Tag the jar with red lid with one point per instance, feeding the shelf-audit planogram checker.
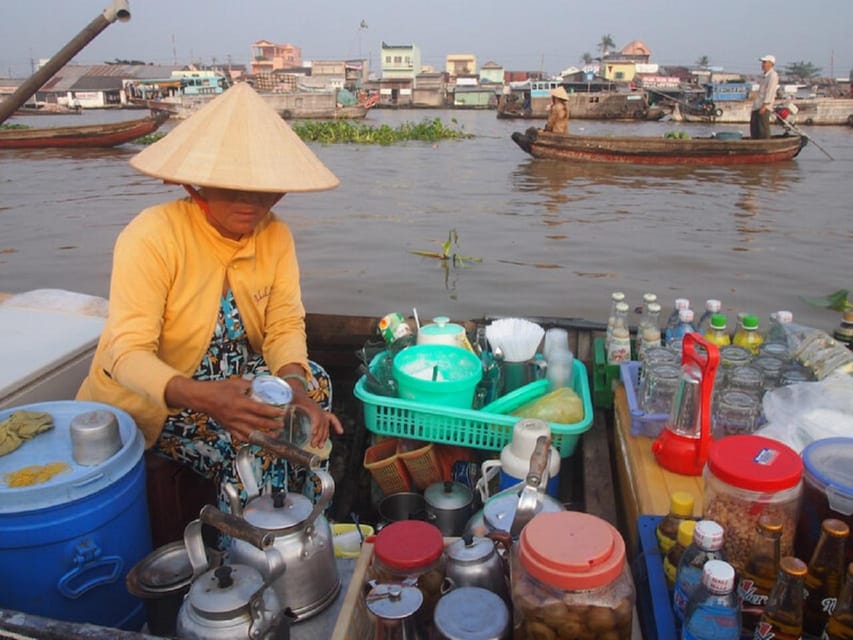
(411, 552)
(745, 477)
(570, 579)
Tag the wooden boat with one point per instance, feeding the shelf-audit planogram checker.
(47, 110)
(586, 483)
(93, 135)
(532, 101)
(648, 150)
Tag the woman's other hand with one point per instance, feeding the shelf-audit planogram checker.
(322, 422)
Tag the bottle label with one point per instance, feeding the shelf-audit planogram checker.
(669, 570)
(769, 631)
(665, 543)
(750, 594)
(687, 582)
(712, 621)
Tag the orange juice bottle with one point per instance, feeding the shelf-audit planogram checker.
(747, 335)
(717, 333)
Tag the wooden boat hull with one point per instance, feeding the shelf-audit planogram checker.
(94, 135)
(663, 151)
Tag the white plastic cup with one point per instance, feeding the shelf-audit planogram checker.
(559, 370)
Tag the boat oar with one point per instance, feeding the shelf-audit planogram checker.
(790, 126)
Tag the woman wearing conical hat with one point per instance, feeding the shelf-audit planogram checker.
(205, 294)
(558, 112)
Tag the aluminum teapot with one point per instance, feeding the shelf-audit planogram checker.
(512, 508)
(473, 561)
(229, 602)
(303, 538)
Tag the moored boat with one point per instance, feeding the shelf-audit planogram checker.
(92, 135)
(662, 150)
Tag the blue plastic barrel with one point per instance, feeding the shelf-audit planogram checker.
(67, 544)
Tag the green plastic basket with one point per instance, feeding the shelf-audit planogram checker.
(490, 430)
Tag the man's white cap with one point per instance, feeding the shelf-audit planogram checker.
(768, 58)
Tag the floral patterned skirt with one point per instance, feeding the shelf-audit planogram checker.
(199, 442)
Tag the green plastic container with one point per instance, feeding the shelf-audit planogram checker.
(437, 374)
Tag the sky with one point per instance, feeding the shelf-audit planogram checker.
(528, 35)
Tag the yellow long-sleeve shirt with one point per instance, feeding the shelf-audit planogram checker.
(169, 267)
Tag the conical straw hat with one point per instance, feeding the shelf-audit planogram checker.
(236, 142)
(560, 93)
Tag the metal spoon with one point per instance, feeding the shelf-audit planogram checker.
(354, 517)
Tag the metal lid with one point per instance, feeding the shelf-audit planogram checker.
(278, 510)
(394, 601)
(471, 613)
(470, 548)
(499, 511)
(448, 495)
(272, 390)
(225, 590)
(55, 446)
(165, 570)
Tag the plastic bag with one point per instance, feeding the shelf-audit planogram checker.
(562, 406)
(817, 350)
(799, 413)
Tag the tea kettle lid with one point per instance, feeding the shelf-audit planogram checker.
(394, 601)
(278, 510)
(470, 548)
(225, 591)
(448, 495)
(499, 510)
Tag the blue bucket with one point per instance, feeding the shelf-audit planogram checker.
(66, 545)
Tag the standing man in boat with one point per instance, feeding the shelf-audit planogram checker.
(762, 104)
(205, 295)
(558, 113)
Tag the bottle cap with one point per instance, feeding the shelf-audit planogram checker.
(682, 303)
(681, 504)
(718, 576)
(648, 298)
(718, 321)
(685, 532)
(784, 317)
(770, 523)
(836, 528)
(750, 321)
(713, 305)
(654, 307)
(622, 306)
(793, 566)
(617, 296)
(708, 535)
(685, 315)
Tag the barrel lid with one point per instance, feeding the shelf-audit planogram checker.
(829, 463)
(473, 613)
(571, 550)
(408, 544)
(54, 445)
(755, 463)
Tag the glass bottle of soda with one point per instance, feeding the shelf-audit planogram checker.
(713, 613)
(680, 509)
(673, 556)
(782, 618)
(840, 625)
(707, 545)
(825, 576)
(759, 574)
(615, 298)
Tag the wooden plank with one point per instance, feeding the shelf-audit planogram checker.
(645, 486)
(599, 494)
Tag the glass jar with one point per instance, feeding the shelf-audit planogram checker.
(771, 371)
(745, 477)
(734, 412)
(731, 356)
(570, 579)
(411, 551)
(746, 379)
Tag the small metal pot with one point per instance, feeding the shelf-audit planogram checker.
(449, 505)
(95, 437)
(402, 506)
(474, 561)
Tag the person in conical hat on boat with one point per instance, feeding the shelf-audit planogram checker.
(558, 112)
(205, 294)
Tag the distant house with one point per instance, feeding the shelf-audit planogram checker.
(491, 73)
(431, 90)
(400, 61)
(621, 66)
(268, 57)
(461, 64)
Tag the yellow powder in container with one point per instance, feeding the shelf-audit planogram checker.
(34, 474)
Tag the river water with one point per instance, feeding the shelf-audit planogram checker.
(551, 238)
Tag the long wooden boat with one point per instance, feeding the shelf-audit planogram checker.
(93, 135)
(662, 151)
(175, 495)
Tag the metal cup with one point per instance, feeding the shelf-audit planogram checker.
(95, 437)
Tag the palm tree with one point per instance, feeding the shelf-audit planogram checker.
(606, 44)
(587, 58)
(702, 61)
(802, 71)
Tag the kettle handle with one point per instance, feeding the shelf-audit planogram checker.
(194, 544)
(327, 490)
(236, 527)
(286, 450)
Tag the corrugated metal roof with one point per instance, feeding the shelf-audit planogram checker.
(97, 83)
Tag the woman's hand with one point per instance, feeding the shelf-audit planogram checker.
(228, 403)
(322, 422)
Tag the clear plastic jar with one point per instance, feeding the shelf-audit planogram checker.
(411, 549)
(746, 476)
(570, 579)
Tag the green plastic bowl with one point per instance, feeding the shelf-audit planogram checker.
(456, 372)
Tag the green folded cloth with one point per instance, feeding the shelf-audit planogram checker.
(20, 426)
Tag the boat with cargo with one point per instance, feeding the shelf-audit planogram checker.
(84, 136)
(717, 150)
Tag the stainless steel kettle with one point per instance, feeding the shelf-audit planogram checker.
(510, 509)
(228, 602)
(303, 538)
(473, 561)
